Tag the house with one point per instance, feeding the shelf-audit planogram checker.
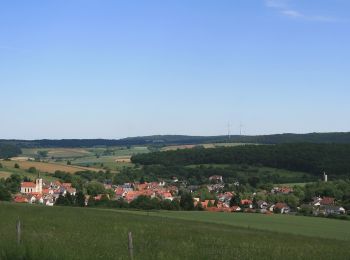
(49, 202)
(215, 187)
(206, 203)
(236, 208)
(327, 201)
(262, 204)
(247, 203)
(282, 190)
(131, 195)
(329, 210)
(215, 178)
(120, 192)
(166, 196)
(71, 191)
(282, 208)
(20, 199)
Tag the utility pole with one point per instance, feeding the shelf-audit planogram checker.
(229, 130)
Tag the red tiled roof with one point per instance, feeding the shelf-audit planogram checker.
(327, 201)
(246, 202)
(21, 200)
(28, 185)
(281, 205)
(46, 191)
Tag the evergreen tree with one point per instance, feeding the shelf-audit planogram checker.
(80, 199)
(186, 201)
(199, 206)
(5, 195)
(235, 200)
(61, 201)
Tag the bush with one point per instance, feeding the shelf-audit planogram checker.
(32, 170)
(5, 195)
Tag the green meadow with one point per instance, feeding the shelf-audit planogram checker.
(84, 233)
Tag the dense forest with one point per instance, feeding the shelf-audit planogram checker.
(8, 151)
(305, 157)
(162, 140)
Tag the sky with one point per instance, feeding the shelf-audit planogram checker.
(114, 69)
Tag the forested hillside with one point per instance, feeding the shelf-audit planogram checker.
(310, 158)
(8, 150)
(162, 140)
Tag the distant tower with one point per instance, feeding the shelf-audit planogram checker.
(240, 128)
(39, 184)
(229, 130)
(325, 177)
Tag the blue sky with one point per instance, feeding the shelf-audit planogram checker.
(111, 69)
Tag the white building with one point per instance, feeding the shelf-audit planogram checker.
(31, 187)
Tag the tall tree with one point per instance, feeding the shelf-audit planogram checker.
(186, 201)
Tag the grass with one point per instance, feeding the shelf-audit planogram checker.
(4, 174)
(7, 171)
(78, 233)
(101, 162)
(298, 225)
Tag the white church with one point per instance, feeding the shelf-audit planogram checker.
(32, 187)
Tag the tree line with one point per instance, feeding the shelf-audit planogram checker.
(305, 157)
(9, 150)
(343, 138)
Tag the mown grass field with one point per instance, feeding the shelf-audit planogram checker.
(79, 233)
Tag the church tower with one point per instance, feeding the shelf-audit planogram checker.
(39, 184)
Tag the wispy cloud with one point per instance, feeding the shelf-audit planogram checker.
(283, 8)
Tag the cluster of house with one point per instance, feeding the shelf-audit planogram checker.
(43, 193)
(222, 204)
(48, 193)
(325, 206)
(130, 191)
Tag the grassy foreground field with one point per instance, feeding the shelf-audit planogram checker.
(77, 233)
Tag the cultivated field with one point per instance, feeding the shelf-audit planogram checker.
(190, 146)
(78, 233)
(112, 158)
(57, 152)
(45, 167)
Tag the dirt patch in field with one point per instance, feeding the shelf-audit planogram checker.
(123, 159)
(176, 147)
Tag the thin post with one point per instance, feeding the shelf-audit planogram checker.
(18, 229)
(130, 246)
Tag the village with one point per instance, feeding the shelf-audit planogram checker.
(206, 197)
